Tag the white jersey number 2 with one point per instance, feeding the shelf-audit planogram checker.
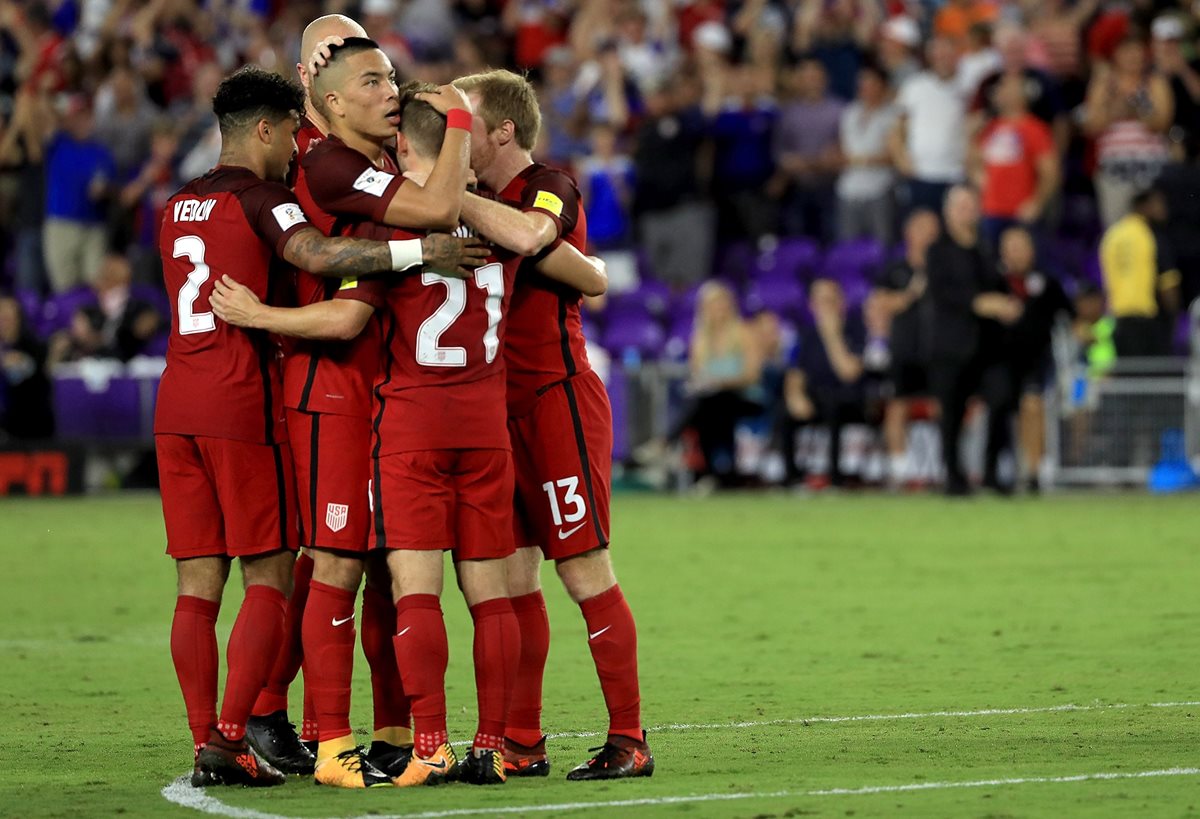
(490, 277)
(192, 247)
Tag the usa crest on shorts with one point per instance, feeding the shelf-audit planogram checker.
(335, 516)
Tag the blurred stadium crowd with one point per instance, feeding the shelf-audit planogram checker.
(762, 177)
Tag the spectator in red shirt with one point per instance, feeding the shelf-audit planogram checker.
(1014, 163)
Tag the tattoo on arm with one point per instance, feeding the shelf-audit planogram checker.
(339, 256)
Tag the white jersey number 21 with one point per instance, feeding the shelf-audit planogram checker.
(490, 277)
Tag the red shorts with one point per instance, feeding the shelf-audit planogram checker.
(333, 472)
(225, 498)
(456, 499)
(562, 457)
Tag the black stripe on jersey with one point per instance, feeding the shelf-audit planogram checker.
(585, 465)
(376, 488)
(265, 354)
(285, 514)
(564, 338)
(314, 445)
(314, 358)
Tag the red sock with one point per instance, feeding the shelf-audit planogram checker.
(251, 652)
(308, 727)
(329, 656)
(274, 696)
(392, 708)
(612, 637)
(194, 650)
(497, 651)
(422, 653)
(525, 710)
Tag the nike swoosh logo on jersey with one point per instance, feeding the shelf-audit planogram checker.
(564, 535)
(337, 622)
(598, 633)
(401, 634)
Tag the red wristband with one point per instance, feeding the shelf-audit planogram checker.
(458, 118)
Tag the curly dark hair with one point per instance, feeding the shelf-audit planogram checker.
(251, 94)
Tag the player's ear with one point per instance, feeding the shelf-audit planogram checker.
(401, 144)
(506, 132)
(302, 72)
(265, 130)
(333, 104)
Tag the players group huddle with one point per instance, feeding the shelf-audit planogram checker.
(434, 394)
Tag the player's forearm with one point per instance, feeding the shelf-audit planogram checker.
(341, 257)
(508, 227)
(448, 179)
(322, 321)
(586, 274)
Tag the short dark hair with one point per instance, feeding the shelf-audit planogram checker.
(251, 94)
(351, 46)
(422, 125)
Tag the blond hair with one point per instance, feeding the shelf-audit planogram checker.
(504, 95)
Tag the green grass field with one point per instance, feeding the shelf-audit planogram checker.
(755, 613)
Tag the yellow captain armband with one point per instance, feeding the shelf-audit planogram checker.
(349, 284)
(548, 201)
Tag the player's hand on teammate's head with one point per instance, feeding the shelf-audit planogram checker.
(322, 53)
(233, 302)
(452, 255)
(445, 98)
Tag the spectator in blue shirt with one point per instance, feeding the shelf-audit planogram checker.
(80, 172)
(606, 182)
(742, 115)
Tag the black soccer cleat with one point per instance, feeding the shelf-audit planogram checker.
(202, 778)
(526, 760)
(275, 740)
(391, 759)
(482, 768)
(619, 758)
(350, 769)
(234, 763)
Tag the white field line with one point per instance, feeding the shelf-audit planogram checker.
(181, 793)
(985, 712)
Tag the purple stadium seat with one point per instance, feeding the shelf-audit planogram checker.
(31, 306)
(57, 311)
(73, 405)
(1065, 257)
(618, 398)
(785, 296)
(644, 301)
(634, 332)
(860, 258)
(679, 337)
(157, 346)
(734, 261)
(856, 292)
(789, 258)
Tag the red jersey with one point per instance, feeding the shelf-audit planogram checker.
(545, 337)
(338, 188)
(1011, 149)
(223, 381)
(442, 383)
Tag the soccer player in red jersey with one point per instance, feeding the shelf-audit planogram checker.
(418, 420)
(224, 461)
(269, 731)
(561, 428)
(327, 393)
